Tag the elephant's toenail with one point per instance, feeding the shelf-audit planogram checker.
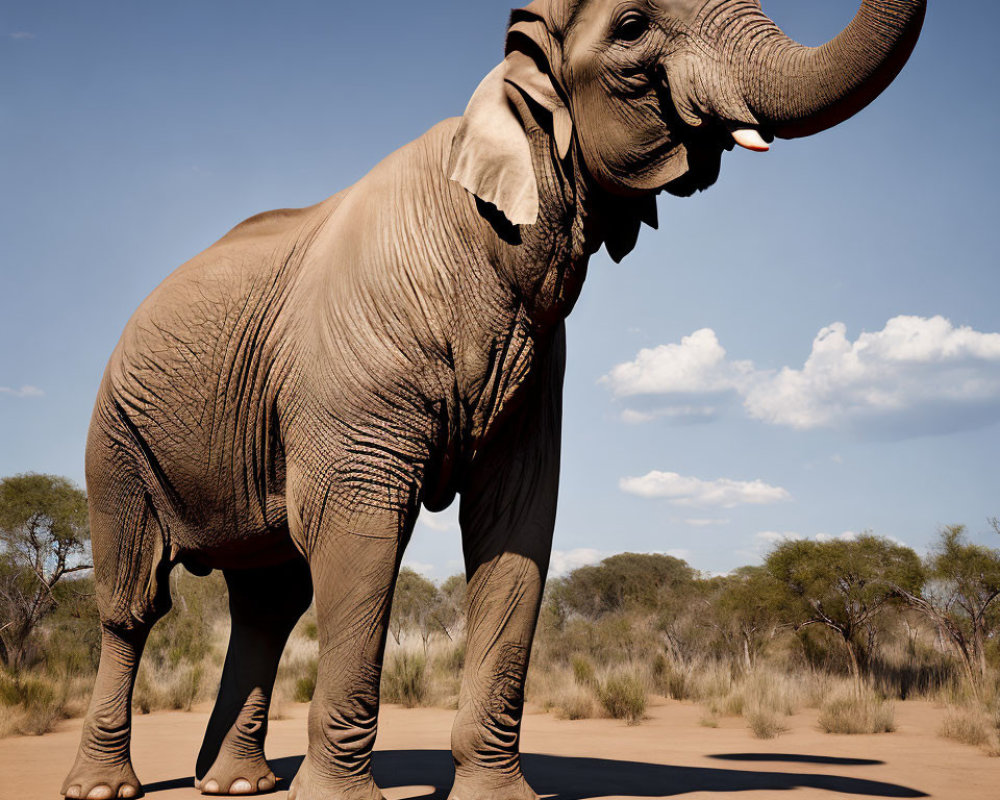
(73, 792)
(265, 784)
(211, 787)
(127, 791)
(101, 792)
(241, 786)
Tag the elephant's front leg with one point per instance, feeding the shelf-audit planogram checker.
(354, 552)
(507, 516)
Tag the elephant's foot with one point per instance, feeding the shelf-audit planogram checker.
(487, 786)
(239, 766)
(232, 775)
(306, 786)
(90, 780)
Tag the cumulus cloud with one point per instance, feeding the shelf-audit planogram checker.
(914, 368)
(446, 520)
(917, 375)
(690, 413)
(685, 491)
(697, 365)
(24, 391)
(562, 562)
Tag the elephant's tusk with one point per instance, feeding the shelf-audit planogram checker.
(751, 140)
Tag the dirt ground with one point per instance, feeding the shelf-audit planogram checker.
(669, 755)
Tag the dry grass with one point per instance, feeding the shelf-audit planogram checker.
(974, 724)
(622, 694)
(296, 678)
(31, 705)
(168, 686)
(404, 678)
(764, 724)
(856, 711)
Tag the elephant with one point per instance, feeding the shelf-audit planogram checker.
(282, 406)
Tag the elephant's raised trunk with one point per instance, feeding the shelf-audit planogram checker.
(795, 90)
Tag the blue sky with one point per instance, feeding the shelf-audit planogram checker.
(701, 418)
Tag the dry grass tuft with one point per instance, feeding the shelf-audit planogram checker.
(404, 678)
(858, 710)
(764, 724)
(974, 725)
(31, 705)
(623, 696)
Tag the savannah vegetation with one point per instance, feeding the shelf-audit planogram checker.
(846, 627)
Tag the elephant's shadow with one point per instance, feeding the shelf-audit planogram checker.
(571, 778)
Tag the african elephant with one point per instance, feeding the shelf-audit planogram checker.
(282, 405)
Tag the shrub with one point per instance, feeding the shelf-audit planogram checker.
(857, 711)
(306, 685)
(765, 724)
(583, 672)
(443, 676)
(968, 726)
(577, 702)
(623, 696)
(162, 686)
(669, 679)
(404, 680)
(30, 705)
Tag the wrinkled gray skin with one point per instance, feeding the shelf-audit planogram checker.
(283, 404)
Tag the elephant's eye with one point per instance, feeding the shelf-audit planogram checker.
(631, 27)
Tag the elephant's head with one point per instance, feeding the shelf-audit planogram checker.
(652, 91)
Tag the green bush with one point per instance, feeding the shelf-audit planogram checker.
(623, 696)
(30, 704)
(305, 686)
(583, 672)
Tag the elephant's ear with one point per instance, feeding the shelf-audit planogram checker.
(533, 57)
(490, 153)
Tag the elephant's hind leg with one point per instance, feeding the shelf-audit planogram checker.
(264, 605)
(130, 571)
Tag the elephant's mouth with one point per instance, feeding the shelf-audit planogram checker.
(700, 135)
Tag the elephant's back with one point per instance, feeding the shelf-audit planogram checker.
(191, 386)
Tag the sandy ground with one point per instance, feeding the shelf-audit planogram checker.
(669, 755)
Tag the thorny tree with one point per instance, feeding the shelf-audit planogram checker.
(843, 585)
(961, 597)
(43, 537)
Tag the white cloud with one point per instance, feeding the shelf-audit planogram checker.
(705, 523)
(917, 375)
(691, 413)
(846, 536)
(24, 391)
(442, 521)
(914, 368)
(767, 540)
(684, 491)
(695, 366)
(21, 35)
(563, 562)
